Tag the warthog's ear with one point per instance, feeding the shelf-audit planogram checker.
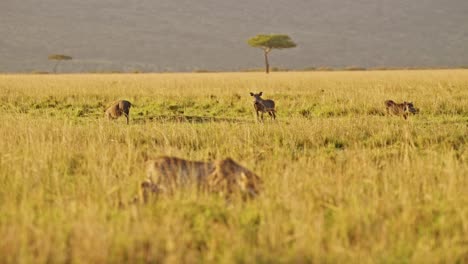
(260, 94)
(251, 94)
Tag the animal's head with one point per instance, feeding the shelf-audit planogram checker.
(409, 107)
(250, 184)
(231, 177)
(257, 97)
(149, 189)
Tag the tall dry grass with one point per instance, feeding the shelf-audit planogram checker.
(343, 182)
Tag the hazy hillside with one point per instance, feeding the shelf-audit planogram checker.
(185, 35)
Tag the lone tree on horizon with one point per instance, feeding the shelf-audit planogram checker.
(58, 58)
(270, 42)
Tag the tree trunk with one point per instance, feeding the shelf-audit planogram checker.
(55, 66)
(267, 65)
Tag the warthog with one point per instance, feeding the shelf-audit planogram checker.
(117, 109)
(263, 106)
(403, 109)
(166, 174)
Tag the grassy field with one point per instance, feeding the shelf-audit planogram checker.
(343, 183)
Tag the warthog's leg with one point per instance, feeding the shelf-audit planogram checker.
(127, 115)
(258, 117)
(272, 114)
(145, 188)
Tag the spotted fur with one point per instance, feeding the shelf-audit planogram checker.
(227, 177)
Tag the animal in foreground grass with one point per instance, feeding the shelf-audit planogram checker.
(117, 109)
(262, 105)
(227, 177)
(403, 109)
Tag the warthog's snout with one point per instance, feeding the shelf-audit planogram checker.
(411, 109)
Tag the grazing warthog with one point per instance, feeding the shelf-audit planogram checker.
(263, 106)
(166, 174)
(117, 109)
(403, 109)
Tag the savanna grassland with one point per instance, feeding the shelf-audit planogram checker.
(343, 183)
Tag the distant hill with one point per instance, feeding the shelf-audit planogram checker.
(187, 35)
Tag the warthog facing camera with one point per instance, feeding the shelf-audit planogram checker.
(262, 105)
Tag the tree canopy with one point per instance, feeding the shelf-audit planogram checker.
(269, 42)
(59, 57)
(272, 41)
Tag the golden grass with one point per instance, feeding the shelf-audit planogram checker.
(343, 182)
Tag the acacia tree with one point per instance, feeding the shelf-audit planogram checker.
(270, 42)
(58, 58)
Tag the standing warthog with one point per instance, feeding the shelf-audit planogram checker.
(117, 109)
(166, 174)
(263, 106)
(403, 109)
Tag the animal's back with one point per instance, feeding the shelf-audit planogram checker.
(269, 104)
(177, 171)
(389, 103)
(265, 106)
(112, 109)
(117, 107)
(393, 107)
